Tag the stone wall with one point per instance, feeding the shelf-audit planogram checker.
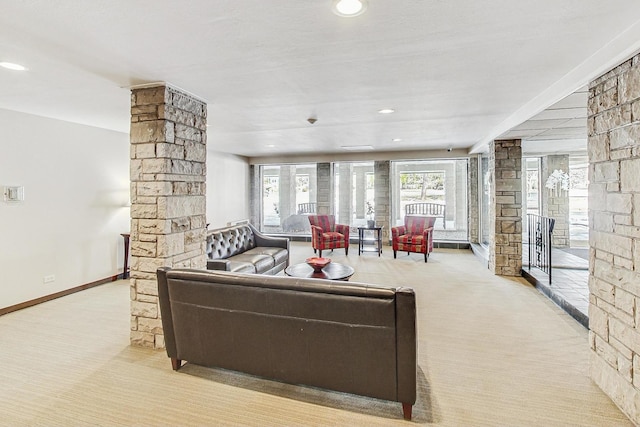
(325, 188)
(255, 200)
(614, 235)
(168, 212)
(555, 203)
(505, 249)
(382, 197)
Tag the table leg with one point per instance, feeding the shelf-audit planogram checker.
(125, 273)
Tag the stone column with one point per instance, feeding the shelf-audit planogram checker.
(361, 192)
(505, 248)
(325, 188)
(614, 234)
(344, 195)
(255, 194)
(472, 200)
(168, 212)
(382, 197)
(555, 203)
(287, 203)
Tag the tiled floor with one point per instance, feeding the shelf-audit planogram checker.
(569, 286)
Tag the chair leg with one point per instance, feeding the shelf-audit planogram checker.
(426, 256)
(394, 254)
(346, 250)
(320, 253)
(314, 251)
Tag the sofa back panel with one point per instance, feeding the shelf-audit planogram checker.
(352, 358)
(227, 242)
(286, 302)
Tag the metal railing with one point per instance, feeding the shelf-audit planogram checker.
(540, 229)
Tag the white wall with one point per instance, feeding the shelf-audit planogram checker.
(76, 181)
(227, 189)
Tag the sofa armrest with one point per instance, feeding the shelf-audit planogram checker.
(344, 230)
(316, 233)
(264, 240)
(406, 345)
(219, 264)
(165, 309)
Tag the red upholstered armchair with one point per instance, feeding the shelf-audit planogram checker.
(326, 234)
(415, 236)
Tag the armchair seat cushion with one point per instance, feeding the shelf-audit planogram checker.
(412, 240)
(333, 240)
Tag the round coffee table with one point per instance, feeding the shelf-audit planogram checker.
(333, 271)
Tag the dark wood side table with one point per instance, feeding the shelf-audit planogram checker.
(370, 244)
(333, 271)
(125, 273)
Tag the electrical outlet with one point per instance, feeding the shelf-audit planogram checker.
(49, 279)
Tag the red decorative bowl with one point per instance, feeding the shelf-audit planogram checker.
(318, 263)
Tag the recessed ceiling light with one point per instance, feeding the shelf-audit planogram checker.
(270, 146)
(12, 66)
(349, 8)
(396, 139)
(357, 147)
(386, 111)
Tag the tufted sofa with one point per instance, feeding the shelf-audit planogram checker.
(243, 249)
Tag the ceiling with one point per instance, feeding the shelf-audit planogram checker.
(458, 74)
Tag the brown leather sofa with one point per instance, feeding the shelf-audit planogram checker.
(347, 337)
(242, 248)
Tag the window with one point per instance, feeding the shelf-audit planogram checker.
(288, 196)
(354, 192)
(485, 197)
(435, 182)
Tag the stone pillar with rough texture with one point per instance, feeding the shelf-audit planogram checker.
(287, 198)
(325, 188)
(361, 192)
(555, 202)
(345, 197)
(168, 216)
(255, 196)
(505, 249)
(382, 197)
(472, 200)
(614, 234)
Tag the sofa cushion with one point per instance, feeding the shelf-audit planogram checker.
(241, 267)
(261, 262)
(279, 255)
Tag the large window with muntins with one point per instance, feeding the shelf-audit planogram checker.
(435, 188)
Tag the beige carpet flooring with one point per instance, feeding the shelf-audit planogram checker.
(492, 352)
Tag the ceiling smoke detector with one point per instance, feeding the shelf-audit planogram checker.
(312, 120)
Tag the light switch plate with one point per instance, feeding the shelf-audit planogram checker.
(13, 194)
